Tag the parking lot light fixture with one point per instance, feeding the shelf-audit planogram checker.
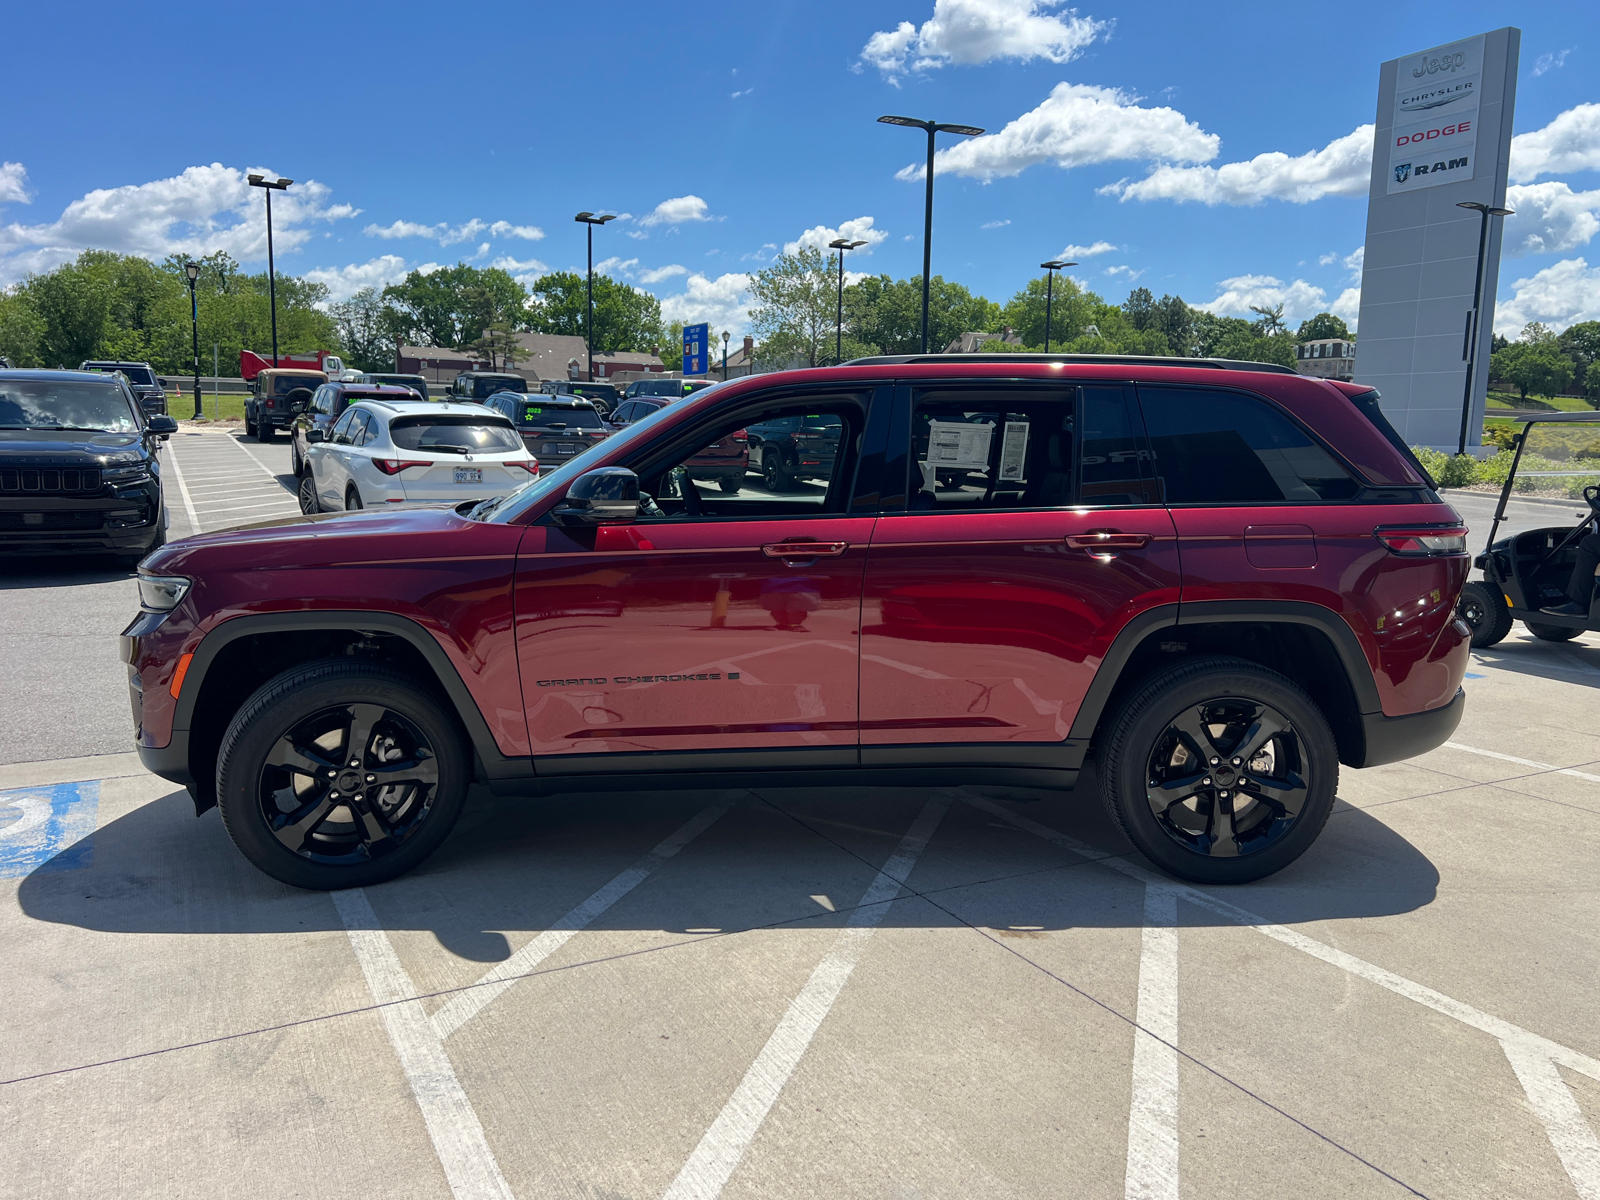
(192, 270)
(591, 220)
(1470, 351)
(932, 128)
(1052, 266)
(725, 336)
(270, 186)
(841, 245)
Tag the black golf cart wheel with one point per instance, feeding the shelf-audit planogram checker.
(1552, 633)
(339, 774)
(1219, 770)
(352, 499)
(730, 485)
(1483, 607)
(773, 473)
(309, 504)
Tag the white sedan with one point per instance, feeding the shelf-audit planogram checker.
(383, 452)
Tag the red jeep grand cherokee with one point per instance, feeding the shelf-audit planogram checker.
(1220, 579)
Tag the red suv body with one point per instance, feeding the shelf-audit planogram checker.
(1219, 579)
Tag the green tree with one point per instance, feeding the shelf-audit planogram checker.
(625, 317)
(454, 305)
(1176, 321)
(21, 329)
(1139, 308)
(1271, 321)
(884, 316)
(1537, 333)
(795, 309)
(1071, 310)
(1533, 367)
(364, 333)
(1581, 343)
(1322, 326)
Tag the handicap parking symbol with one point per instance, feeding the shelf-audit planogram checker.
(48, 828)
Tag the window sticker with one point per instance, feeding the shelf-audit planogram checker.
(1014, 452)
(958, 445)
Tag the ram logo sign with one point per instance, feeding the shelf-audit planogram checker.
(1436, 103)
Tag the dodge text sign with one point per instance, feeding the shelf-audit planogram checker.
(1435, 134)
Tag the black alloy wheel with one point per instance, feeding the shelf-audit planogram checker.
(1220, 770)
(339, 774)
(773, 473)
(309, 504)
(1483, 607)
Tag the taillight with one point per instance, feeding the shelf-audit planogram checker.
(741, 437)
(393, 466)
(531, 466)
(1422, 540)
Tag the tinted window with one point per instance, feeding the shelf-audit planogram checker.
(488, 387)
(532, 413)
(282, 385)
(1215, 447)
(1114, 462)
(992, 448)
(468, 435)
(364, 429)
(341, 429)
(62, 404)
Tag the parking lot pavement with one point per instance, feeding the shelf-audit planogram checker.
(787, 992)
(220, 478)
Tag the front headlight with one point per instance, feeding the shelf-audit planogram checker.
(162, 593)
(124, 475)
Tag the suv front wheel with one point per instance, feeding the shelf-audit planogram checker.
(340, 773)
(1219, 770)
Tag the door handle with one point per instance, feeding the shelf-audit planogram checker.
(1102, 540)
(799, 549)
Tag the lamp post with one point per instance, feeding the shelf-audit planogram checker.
(271, 185)
(192, 270)
(932, 127)
(1470, 350)
(589, 219)
(724, 356)
(1050, 294)
(841, 245)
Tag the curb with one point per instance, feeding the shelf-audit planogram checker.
(1546, 501)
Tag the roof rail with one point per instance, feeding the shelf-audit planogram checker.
(1140, 360)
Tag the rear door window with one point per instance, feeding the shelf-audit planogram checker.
(1216, 447)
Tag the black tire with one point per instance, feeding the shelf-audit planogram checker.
(1483, 607)
(352, 499)
(249, 425)
(297, 465)
(773, 472)
(309, 504)
(1552, 633)
(264, 431)
(730, 486)
(289, 722)
(1164, 798)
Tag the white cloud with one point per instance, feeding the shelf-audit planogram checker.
(14, 184)
(979, 31)
(1299, 299)
(657, 274)
(1126, 272)
(526, 272)
(1551, 62)
(1341, 168)
(1077, 124)
(723, 301)
(450, 235)
(1550, 218)
(1347, 306)
(677, 212)
(1560, 295)
(995, 224)
(1077, 251)
(344, 282)
(736, 95)
(857, 229)
(201, 211)
(529, 233)
(615, 265)
(1571, 142)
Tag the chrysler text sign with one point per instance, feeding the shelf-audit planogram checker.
(1435, 136)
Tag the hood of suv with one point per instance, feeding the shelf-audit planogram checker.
(29, 443)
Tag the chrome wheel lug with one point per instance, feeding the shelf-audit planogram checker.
(1215, 761)
(1237, 761)
(372, 779)
(1206, 780)
(332, 773)
(355, 762)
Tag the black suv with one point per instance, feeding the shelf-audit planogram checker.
(666, 387)
(480, 385)
(416, 383)
(142, 379)
(327, 405)
(602, 395)
(555, 429)
(79, 466)
(790, 449)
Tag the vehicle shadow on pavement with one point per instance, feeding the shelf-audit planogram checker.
(1559, 662)
(64, 571)
(779, 858)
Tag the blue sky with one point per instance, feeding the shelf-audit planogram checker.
(428, 134)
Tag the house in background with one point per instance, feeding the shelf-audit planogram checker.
(1326, 358)
(437, 364)
(972, 343)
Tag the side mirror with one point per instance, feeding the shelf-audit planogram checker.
(604, 496)
(162, 425)
(316, 435)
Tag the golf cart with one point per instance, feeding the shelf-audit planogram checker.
(1529, 571)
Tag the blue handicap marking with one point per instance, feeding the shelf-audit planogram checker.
(1470, 675)
(48, 828)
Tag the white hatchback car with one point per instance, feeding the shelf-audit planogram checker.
(383, 452)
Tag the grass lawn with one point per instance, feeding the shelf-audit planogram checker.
(220, 407)
(1510, 400)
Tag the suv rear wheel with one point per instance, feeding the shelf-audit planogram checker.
(1219, 770)
(1483, 607)
(339, 774)
(773, 473)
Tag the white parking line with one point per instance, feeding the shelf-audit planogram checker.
(1152, 1171)
(724, 1144)
(1555, 1112)
(183, 490)
(1524, 762)
(453, 1127)
(468, 1004)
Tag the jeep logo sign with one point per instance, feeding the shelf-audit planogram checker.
(1436, 106)
(1432, 66)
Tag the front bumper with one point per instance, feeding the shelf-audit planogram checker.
(1392, 739)
(44, 524)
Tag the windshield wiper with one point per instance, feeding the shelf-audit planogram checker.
(451, 449)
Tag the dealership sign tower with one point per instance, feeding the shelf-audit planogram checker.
(1443, 137)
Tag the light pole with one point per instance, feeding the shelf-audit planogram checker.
(589, 219)
(192, 270)
(1050, 295)
(1470, 350)
(932, 128)
(271, 185)
(724, 356)
(841, 245)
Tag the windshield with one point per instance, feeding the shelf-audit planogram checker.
(513, 505)
(282, 385)
(467, 434)
(573, 417)
(139, 375)
(488, 387)
(415, 382)
(1559, 459)
(64, 404)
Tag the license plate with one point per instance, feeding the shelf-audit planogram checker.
(469, 474)
(565, 448)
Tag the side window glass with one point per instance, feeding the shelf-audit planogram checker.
(1216, 447)
(992, 448)
(1114, 460)
(341, 430)
(369, 430)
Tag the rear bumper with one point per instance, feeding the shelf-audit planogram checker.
(1392, 739)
